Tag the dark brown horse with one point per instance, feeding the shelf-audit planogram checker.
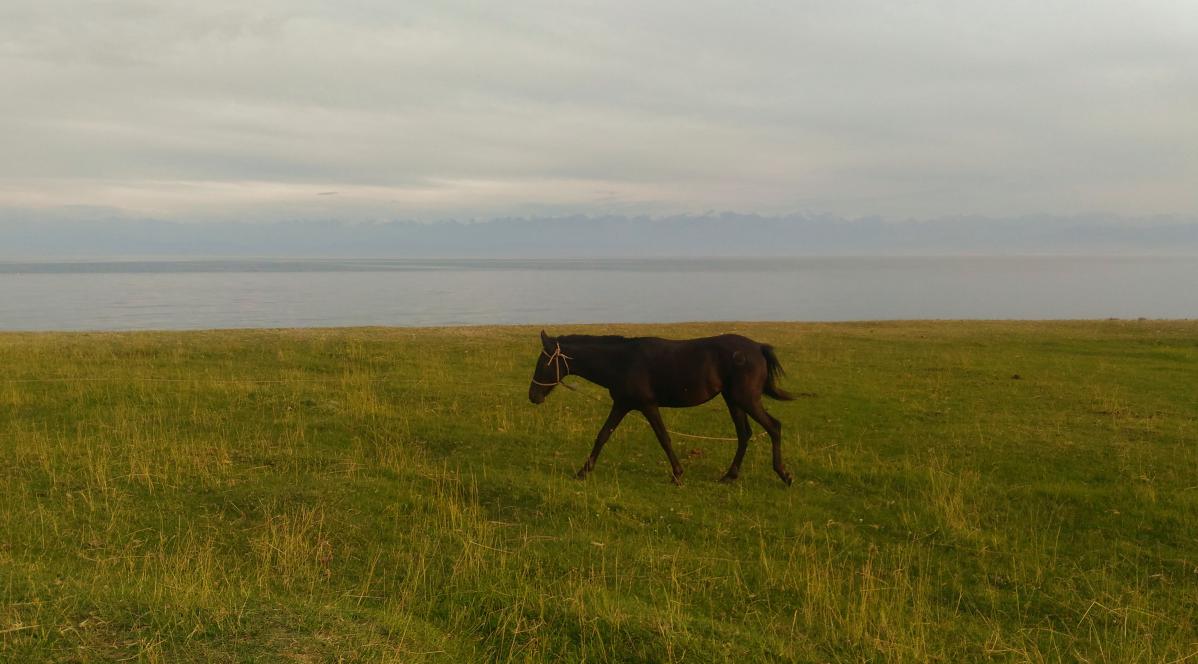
(645, 373)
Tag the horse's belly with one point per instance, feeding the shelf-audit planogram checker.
(684, 386)
(686, 398)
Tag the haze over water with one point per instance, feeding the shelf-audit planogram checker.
(116, 295)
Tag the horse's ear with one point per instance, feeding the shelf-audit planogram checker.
(546, 341)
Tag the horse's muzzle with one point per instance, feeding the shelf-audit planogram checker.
(535, 394)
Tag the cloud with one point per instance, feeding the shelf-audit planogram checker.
(435, 110)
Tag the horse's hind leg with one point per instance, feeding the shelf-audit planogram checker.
(613, 420)
(774, 428)
(741, 421)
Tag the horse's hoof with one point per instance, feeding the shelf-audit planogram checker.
(580, 475)
(728, 478)
(787, 478)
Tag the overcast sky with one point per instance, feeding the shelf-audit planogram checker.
(381, 110)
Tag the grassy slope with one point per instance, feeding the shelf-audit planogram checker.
(394, 496)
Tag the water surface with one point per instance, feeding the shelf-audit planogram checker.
(202, 294)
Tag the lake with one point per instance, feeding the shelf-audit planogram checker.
(235, 293)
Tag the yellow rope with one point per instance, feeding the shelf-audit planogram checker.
(556, 360)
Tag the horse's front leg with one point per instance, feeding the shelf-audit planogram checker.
(613, 420)
(663, 437)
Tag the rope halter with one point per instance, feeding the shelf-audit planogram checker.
(556, 360)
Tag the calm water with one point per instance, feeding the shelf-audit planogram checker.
(297, 293)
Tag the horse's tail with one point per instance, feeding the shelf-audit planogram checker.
(774, 371)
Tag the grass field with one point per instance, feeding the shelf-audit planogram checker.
(963, 491)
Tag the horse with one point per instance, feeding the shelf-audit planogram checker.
(648, 373)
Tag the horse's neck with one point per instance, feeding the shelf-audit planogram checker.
(601, 364)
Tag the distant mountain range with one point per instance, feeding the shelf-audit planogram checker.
(24, 236)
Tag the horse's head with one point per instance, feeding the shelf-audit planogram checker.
(552, 366)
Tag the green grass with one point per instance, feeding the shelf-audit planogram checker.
(963, 491)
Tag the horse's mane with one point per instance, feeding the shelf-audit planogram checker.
(595, 339)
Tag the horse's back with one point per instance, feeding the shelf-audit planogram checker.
(721, 341)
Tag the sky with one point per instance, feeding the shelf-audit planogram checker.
(362, 111)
